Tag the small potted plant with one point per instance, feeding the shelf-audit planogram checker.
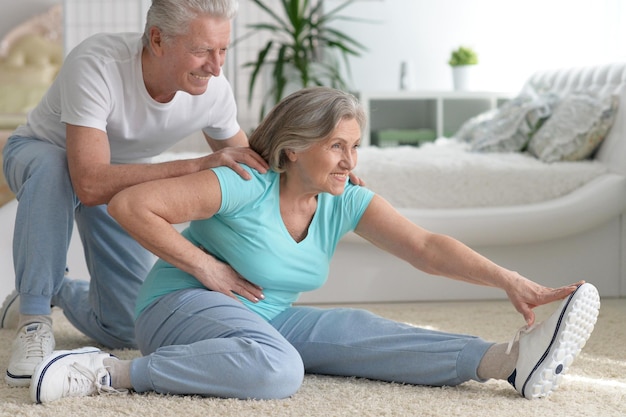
(462, 61)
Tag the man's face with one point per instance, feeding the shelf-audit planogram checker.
(193, 58)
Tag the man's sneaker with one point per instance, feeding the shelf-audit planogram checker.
(33, 342)
(72, 373)
(547, 350)
(10, 311)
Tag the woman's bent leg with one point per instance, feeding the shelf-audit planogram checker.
(203, 342)
(353, 342)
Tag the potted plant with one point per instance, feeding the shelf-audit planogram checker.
(303, 49)
(462, 61)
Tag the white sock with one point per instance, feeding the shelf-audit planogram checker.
(496, 363)
(120, 372)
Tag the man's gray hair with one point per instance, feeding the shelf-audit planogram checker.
(172, 17)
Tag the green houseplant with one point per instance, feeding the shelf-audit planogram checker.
(463, 56)
(303, 48)
(462, 60)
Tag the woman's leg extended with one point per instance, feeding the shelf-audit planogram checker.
(354, 342)
(203, 342)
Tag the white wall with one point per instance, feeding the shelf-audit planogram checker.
(512, 38)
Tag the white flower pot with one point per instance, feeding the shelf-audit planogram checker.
(462, 77)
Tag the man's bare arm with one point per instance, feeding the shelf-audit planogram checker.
(96, 180)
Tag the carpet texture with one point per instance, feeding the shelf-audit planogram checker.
(595, 385)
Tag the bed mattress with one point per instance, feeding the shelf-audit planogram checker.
(444, 174)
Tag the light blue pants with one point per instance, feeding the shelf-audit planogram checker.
(202, 342)
(102, 308)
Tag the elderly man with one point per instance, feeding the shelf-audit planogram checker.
(118, 100)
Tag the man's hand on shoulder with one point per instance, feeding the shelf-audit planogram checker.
(231, 152)
(232, 156)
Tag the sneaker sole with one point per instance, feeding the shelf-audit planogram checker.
(574, 327)
(17, 381)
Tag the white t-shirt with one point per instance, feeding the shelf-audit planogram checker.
(101, 86)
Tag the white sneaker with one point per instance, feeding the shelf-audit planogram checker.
(547, 350)
(10, 311)
(72, 373)
(33, 342)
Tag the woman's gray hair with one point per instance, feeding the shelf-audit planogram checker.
(172, 17)
(302, 119)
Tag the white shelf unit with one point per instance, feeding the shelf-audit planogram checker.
(441, 111)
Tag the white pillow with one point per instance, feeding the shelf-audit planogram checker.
(510, 127)
(576, 128)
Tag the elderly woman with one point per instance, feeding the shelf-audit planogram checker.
(215, 316)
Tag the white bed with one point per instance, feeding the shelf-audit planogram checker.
(445, 175)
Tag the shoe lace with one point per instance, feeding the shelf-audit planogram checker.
(516, 336)
(84, 381)
(36, 343)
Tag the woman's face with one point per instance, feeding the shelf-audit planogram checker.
(325, 166)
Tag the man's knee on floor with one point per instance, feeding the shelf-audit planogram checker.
(120, 336)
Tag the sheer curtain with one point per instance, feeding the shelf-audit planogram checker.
(83, 18)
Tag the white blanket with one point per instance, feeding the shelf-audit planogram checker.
(444, 174)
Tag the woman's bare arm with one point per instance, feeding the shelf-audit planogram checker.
(442, 255)
(148, 211)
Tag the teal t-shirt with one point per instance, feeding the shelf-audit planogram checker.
(248, 233)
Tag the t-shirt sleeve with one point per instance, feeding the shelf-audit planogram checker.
(85, 95)
(238, 193)
(223, 117)
(355, 200)
(340, 214)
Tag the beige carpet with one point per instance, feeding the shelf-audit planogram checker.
(595, 385)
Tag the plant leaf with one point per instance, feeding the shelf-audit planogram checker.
(302, 41)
